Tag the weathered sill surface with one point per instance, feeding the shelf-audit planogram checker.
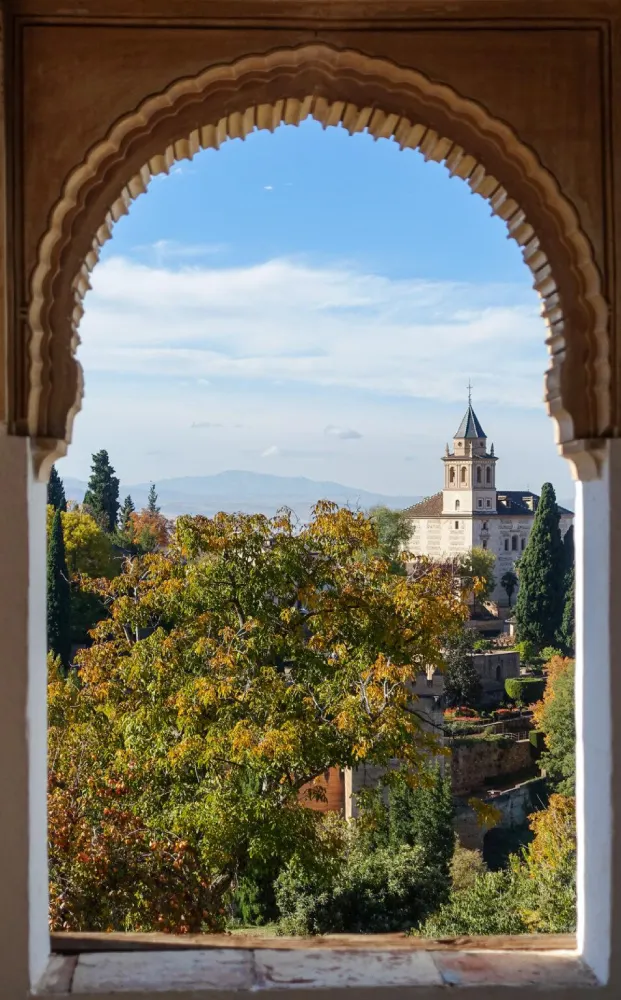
(330, 966)
(74, 943)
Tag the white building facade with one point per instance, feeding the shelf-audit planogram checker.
(470, 510)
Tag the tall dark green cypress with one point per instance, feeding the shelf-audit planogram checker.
(152, 506)
(102, 496)
(127, 509)
(566, 635)
(56, 491)
(58, 595)
(539, 605)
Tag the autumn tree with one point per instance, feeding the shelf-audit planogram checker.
(476, 569)
(148, 532)
(56, 491)
(234, 669)
(152, 506)
(555, 716)
(539, 605)
(102, 495)
(58, 594)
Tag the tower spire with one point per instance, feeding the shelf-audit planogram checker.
(469, 393)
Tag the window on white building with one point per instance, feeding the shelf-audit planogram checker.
(523, 544)
(457, 505)
(488, 475)
(463, 473)
(488, 503)
(506, 544)
(484, 543)
(478, 473)
(456, 525)
(479, 502)
(514, 542)
(451, 475)
(484, 525)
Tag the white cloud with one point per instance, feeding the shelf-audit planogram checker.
(272, 452)
(289, 322)
(344, 433)
(268, 187)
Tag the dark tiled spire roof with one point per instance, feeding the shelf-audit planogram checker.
(470, 426)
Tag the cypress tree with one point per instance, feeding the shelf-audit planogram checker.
(127, 509)
(56, 491)
(102, 496)
(152, 506)
(566, 634)
(58, 594)
(539, 605)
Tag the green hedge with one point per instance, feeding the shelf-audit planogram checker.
(525, 690)
(538, 740)
(500, 739)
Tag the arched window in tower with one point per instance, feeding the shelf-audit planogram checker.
(457, 505)
(478, 473)
(488, 475)
(463, 473)
(451, 475)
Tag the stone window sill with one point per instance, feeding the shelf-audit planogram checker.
(327, 964)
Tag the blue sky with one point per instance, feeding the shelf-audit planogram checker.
(310, 303)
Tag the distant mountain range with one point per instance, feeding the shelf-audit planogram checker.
(245, 492)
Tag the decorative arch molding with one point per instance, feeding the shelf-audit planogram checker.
(335, 87)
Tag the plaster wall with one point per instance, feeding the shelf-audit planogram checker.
(454, 534)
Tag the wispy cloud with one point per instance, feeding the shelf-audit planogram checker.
(199, 424)
(328, 328)
(344, 433)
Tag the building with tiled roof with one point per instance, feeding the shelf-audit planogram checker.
(471, 511)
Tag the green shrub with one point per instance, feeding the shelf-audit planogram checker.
(527, 650)
(538, 740)
(525, 690)
(548, 652)
(385, 890)
(466, 867)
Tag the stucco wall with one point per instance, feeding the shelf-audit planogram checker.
(473, 763)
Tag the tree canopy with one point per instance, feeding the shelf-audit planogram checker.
(234, 669)
(102, 495)
(539, 605)
(555, 716)
(88, 548)
(393, 534)
(537, 894)
(476, 569)
(58, 594)
(462, 684)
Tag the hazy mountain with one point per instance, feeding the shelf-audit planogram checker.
(248, 492)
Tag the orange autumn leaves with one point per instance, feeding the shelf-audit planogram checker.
(235, 667)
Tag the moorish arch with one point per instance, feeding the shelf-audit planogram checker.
(335, 87)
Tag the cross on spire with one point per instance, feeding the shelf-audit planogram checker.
(469, 393)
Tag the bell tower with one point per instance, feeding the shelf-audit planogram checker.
(469, 469)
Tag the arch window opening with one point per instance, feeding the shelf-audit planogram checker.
(263, 377)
